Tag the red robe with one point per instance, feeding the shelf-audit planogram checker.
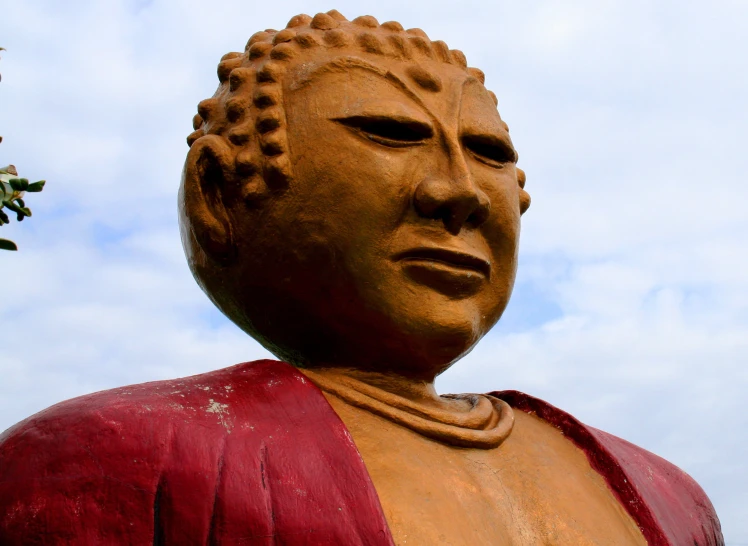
(254, 454)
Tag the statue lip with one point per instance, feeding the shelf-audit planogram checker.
(453, 258)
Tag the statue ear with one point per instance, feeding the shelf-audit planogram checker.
(203, 197)
(524, 197)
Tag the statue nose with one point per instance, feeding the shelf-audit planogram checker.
(457, 202)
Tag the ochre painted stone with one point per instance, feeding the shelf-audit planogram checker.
(350, 199)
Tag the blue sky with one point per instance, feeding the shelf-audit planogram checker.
(631, 307)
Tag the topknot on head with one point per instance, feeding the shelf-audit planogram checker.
(459, 57)
(205, 108)
(269, 73)
(300, 20)
(370, 43)
(400, 46)
(478, 74)
(259, 50)
(393, 25)
(267, 53)
(335, 14)
(323, 21)
(333, 30)
(240, 77)
(423, 45)
(306, 39)
(366, 21)
(283, 52)
(442, 51)
(229, 62)
(285, 35)
(197, 121)
(418, 32)
(336, 38)
(258, 37)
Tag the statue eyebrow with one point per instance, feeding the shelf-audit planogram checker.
(341, 64)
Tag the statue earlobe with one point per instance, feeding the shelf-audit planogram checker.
(203, 214)
(524, 197)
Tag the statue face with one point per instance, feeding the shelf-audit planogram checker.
(394, 248)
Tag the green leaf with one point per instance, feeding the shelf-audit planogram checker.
(19, 184)
(10, 205)
(5, 244)
(36, 186)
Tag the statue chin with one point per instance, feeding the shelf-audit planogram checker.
(417, 344)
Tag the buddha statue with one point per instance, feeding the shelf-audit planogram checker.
(351, 200)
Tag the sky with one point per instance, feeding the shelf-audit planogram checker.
(631, 304)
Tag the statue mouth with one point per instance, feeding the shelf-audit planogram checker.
(451, 258)
(452, 273)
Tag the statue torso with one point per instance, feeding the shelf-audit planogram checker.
(256, 451)
(536, 487)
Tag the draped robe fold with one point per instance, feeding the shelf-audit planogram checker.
(254, 454)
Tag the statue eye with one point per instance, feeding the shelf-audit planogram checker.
(490, 150)
(395, 133)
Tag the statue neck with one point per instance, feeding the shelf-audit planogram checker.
(464, 420)
(421, 392)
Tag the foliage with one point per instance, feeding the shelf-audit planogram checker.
(12, 191)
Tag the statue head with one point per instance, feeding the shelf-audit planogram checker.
(351, 197)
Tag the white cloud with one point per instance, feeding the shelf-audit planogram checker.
(631, 309)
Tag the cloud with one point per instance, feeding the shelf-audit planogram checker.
(631, 308)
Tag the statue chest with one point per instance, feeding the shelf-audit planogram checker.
(535, 488)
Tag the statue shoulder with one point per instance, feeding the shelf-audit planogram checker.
(94, 454)
(668, 505)
(115, 416)
(187, 461)
(69, 460)
(676, 501)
